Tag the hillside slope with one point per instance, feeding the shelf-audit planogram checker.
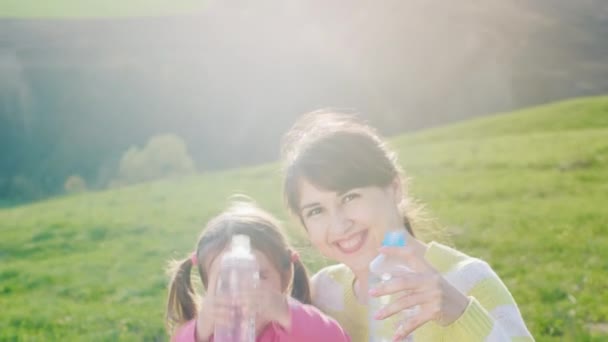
(526, 191)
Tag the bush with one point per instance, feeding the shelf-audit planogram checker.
(163, 156)
(74, 184)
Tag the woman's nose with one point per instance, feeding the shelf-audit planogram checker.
(340, 222)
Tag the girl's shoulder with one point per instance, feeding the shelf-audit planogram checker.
(186, 332)
(298, 308)
(308, 323)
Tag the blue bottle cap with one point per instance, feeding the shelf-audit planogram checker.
(395, 238)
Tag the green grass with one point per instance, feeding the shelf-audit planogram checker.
(526, 191)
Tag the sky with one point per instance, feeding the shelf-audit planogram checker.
(81, 82)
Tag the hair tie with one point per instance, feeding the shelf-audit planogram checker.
(193, 259)
(295, 257)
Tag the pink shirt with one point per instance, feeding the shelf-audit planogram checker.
(307, 324)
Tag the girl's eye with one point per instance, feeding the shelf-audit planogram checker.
(313, 212)
(349, 197)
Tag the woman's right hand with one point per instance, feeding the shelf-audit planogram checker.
(214, 310)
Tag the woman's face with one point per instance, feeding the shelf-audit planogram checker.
(349, 227)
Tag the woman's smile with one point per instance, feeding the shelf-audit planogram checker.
(353, 243)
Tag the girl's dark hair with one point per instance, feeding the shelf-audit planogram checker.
(336, 152)
(266, 236)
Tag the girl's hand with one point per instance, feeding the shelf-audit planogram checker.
(215, 310)
(274, 307)
(438, 300)
(269, 306)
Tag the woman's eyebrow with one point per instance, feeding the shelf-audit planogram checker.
(342, 192)
(309, 205)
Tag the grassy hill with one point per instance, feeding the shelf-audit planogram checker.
(526, 191)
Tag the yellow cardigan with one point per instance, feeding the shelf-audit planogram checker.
(492, 314)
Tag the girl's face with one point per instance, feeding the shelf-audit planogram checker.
(270, 278)
(349, 227)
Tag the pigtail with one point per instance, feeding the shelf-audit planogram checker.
(181, 305)
(300, 288)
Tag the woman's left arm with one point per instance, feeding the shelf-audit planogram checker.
(487, 312)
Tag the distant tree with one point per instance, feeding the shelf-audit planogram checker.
(21, 188)
(74, 184)
(163, 156)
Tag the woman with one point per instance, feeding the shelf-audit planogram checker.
(345, 186)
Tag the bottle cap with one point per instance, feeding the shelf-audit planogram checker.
(241, 241)
(395, 238)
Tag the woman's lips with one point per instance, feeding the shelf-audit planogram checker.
(353, 243)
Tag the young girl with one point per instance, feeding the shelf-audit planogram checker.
(344, 184)
(278, 317)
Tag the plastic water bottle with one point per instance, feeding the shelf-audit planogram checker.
(382, 269)
(239, 273)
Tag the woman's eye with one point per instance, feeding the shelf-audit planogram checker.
(349, 197)
(313, 212)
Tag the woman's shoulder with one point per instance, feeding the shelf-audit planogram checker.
(446, 259)
(328, 287)
(338, 273)
(460, 269)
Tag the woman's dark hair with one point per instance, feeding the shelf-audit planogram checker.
(336, 152)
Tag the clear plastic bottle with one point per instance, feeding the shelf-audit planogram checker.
(239, 273)
(382, 269)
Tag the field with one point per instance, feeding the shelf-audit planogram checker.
(526, 191)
